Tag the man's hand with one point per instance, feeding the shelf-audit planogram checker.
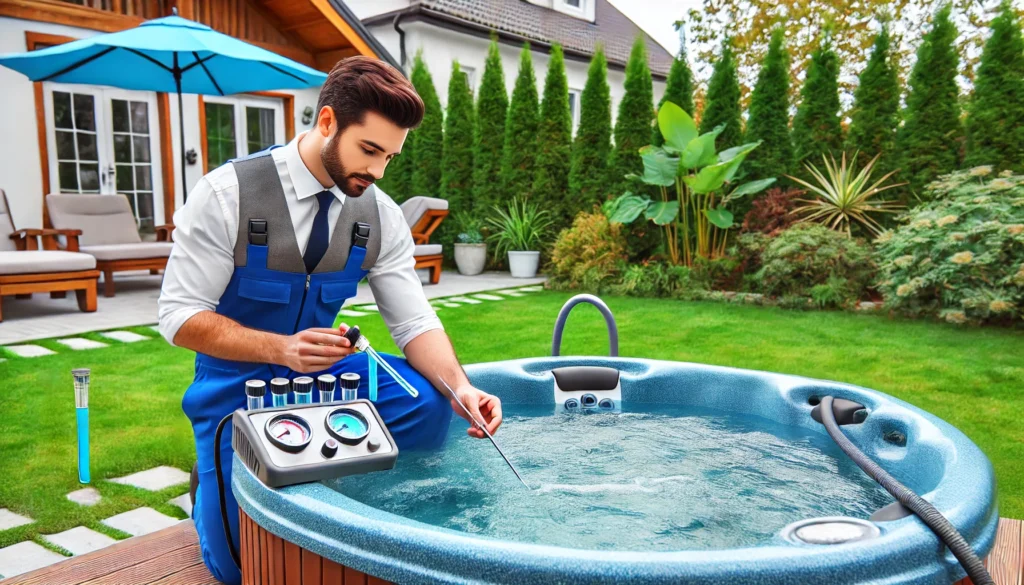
(486, 408)
(315, 349)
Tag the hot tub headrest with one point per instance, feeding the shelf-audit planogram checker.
(576, 378)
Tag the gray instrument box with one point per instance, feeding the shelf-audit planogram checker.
(276, 467)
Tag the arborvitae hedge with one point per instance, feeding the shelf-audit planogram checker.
(588, 173)
(876, 104)
(457, 162)
(816, 128)
(633, 123)
(678, 90)
(489, 139)
(995, 125)
(521, 132)
(722, 104)
(769, 115)
(554, 141)
(428, 140)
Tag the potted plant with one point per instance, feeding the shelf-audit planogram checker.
(518, 232)
(470, 250)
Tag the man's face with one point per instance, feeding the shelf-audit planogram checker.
(357, 156)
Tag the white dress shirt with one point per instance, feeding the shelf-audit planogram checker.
(206, 228)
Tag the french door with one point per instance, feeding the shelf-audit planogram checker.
(240, 125)
(106, 141)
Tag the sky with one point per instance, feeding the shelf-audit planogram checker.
(656, 17)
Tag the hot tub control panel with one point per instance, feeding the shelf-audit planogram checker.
(301, 443)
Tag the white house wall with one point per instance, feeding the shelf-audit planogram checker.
(20, 169)
(441, 46)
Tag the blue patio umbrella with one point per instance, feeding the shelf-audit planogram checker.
(170, 54)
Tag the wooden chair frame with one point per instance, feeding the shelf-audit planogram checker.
(83, 282)
(421, 235)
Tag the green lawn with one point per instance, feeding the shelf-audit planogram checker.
(973, 378)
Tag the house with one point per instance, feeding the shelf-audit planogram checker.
(447, 30)
(93, 139)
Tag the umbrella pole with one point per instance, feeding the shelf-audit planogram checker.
(181, 129)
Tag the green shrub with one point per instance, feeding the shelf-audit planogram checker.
(772, 212)
(804, 258)
(656, 279)
(588, 254)
(960, 256)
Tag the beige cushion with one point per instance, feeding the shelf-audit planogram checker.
(6, 225)
(42, 261)
(130, 251)
(414, 208)
(427, 250)
(103, 219)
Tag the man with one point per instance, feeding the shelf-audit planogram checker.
(267, 250)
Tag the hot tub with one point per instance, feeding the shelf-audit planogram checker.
(925, 453)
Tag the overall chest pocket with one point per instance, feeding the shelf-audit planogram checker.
(268, 291)
(332, 296)
(265, 304)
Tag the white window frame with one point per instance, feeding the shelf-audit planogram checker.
(575, 112)
(581, 9)
(470, 77)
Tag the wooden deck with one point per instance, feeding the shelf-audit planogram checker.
(171, 557)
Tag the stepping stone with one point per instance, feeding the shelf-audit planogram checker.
(24, 557)
(155, 328)
(466, 300)
(124, 336)
(85, 496)
(533, 288)
(347, 313)
(489, 297)
(29, 350)
(452, 305)
(184, 502)
(155, 479)
(366, 308)
(435, 307)
(510, 292)
(140, 521)
(9, 519)
(80, 343)
(79, 540)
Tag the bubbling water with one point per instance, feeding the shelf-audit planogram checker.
(657, 479)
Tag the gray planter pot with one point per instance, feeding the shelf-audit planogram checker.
(523, 264)
(470, 258)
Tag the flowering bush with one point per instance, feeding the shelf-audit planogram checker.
(961, 255)
(810, 260)
(588, 253)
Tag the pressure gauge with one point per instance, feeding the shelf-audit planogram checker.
(347, 425)
(288, 432)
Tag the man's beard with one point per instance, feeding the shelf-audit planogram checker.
(342, 178)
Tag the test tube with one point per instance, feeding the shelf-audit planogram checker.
(81, 377)
(371, 373)
(349, 386)
(254, 391)
(303, 388)
(279, 388)
(325, 383)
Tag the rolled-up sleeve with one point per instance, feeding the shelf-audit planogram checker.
(396, 286)
(201, 262)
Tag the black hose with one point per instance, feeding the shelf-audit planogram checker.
(946, 532)
(220, 491)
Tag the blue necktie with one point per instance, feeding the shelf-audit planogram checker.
(320, 235)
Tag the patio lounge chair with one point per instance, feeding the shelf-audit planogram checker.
(424, 214)
(110, 234)
(27, 269)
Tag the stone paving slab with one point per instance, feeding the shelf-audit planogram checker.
(367, 308)
(10, 520)
(466, 300)
(29, 350)
(155, 479)
(348, 313)
(24, 557)
(124, 336)
(489, 297)
(534, 288)
(140, 521)
(184, 502)
(451, 305)
(85, 496)
(511, 292)
(79, 540)
(80, 343)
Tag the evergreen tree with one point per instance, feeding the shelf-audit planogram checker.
(722, 105)
(769, 115)
(520, 132)
(929, 140)
(428, 140)
(588, 173)
(397, 179)
(995, 126)
(554, 140)
(816, 128)
(457, 161)
(633, 123)
(489, 139)
(678, 90)
(876, 103)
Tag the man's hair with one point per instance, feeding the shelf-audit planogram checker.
(358, 84)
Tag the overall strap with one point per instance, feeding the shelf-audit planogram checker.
(261, 197)
(355, 209)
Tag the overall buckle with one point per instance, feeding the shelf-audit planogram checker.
(258, 232)
(360, 234)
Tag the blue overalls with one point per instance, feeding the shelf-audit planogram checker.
(270, 290)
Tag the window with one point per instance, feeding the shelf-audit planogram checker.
(259, 128)
(220, 134)
(236, 126)
(78, 167)
(574, 108)
(133, 158)
(468, 72)
(578, 4)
